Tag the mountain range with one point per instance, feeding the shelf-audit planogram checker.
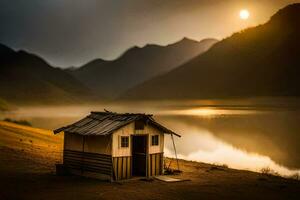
(109, 79)
(258, 61)
(27, 79)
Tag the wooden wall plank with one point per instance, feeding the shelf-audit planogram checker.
(115, 166)
(161, 163)
(148, 172)
(119, 168)
(128, 167)
(150, 165)
(157, 164)
(89, 162)
(125, 167)
(122, 167)
(153, 164)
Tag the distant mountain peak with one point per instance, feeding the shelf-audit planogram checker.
(98, 60)
(152, 45)
(131, 50)
(90, 65)
(186, 39)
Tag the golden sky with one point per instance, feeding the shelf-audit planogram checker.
(73, 32)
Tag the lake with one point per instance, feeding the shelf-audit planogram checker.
(246, 134)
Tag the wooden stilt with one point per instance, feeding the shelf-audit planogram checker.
(175, 151)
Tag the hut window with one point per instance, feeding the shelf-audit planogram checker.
(139, 125)
(154, 140)
(124, 141)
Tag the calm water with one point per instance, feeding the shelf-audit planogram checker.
(245, 135)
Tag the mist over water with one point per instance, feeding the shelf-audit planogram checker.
(200, 144)
(245, 135)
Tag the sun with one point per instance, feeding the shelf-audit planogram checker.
(244, 14)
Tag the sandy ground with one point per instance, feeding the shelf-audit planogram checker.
(28, 156)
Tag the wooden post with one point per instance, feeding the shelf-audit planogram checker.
(82, 159)
(147, 157)
(64, 147)
(112, 174)
(175, 151)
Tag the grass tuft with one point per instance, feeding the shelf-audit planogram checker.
(268, 171)
(295, 176)
(21, 122)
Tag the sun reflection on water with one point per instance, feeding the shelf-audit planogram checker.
(210, 112)
(203, 146)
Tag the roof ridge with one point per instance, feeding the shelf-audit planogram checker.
(115, 113)
(107, 122)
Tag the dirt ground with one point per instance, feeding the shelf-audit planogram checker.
(28, 156)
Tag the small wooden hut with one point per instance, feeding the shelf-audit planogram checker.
(114, 146)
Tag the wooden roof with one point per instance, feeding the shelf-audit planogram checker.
(105, 123)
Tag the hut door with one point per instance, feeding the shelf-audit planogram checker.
(139, 155)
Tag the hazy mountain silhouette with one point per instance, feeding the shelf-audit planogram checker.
(111, 78)
(26, 78)
(259, 61)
